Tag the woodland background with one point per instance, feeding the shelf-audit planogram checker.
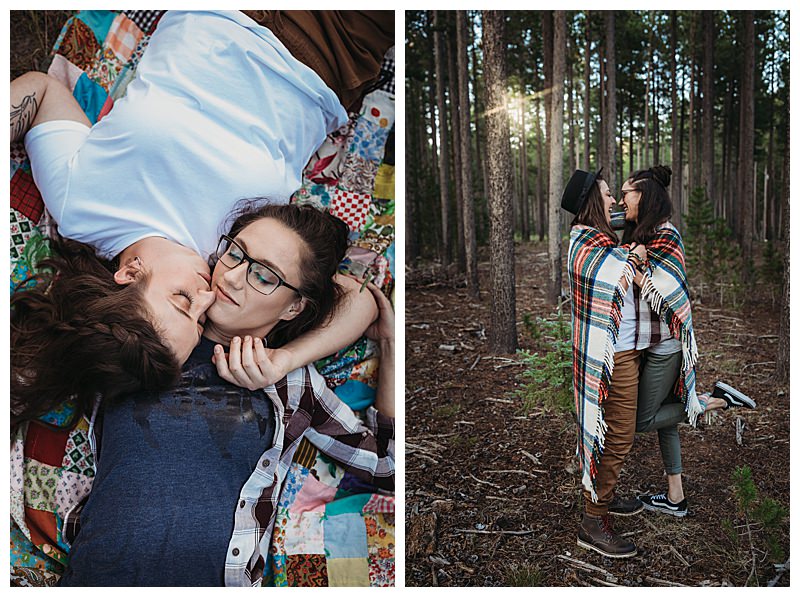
(501, 107)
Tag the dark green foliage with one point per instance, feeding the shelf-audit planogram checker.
(767, 513)
(547, 379)
(713, 257)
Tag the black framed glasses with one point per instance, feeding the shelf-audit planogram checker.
(623, 192)
(261, 277)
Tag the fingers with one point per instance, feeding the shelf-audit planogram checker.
(237, 372)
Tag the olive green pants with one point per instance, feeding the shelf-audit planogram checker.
(658, 409)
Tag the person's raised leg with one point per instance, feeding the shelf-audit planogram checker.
(37, 98)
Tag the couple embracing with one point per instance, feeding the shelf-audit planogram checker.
(634, 348)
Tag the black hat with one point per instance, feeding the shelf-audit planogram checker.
(577, 189)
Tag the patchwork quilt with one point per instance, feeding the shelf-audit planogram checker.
(331, 529)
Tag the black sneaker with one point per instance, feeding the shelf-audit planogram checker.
(660, 503)
(732, 396)
(622, 507)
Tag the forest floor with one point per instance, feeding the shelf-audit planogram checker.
(493, 490)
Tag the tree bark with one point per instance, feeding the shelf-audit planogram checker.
(540, 177)
(412, 185)
(691, 149)
(455, 126)
(586, 97)
(675, 190)
(611, 101)
(708, 107)
(746, 137)
(503, 332)
(523, 167)
(556, 161)
(479, 141)
(468, 205)
(782, 360)
(444, 168)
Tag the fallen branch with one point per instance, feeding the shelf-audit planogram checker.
(532, 457)
(663, 583)
(679, 556)
(520, 472)
(587, 566)
(475, 362)
(500, 400)
(495, 485)
(477, 532)
(757, 364)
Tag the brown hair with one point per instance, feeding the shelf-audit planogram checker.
(655, 206)
(325, 238)
(78, 333)
(592, 212)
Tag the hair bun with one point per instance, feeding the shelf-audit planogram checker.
(662, 174)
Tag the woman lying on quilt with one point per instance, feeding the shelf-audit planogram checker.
(188, 480)
(612, 329)
(221, 108)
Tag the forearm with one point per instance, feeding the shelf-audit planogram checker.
(27, 93)
(385, 399)
(36, 98)
(356, 311)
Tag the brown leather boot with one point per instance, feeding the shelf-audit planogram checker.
(597, 533)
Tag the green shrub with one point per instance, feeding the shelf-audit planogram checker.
(547, 378)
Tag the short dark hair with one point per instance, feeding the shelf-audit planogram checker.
(592, 212)
(326, 240)
(655, 206)
(77, 334)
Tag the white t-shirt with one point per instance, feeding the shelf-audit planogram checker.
(626, 337)
(219, 111)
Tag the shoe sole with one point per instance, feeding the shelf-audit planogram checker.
(634, 513)
(604, 553)
(675, 513)
(737, 398)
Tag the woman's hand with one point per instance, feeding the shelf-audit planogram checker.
(641, 251)
(382, 329)
(249, 364)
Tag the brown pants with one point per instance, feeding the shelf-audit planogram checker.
(619, 412)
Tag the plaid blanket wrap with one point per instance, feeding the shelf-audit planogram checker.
(597, 269)
(667, 293)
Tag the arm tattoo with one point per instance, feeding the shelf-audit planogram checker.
(22, 116)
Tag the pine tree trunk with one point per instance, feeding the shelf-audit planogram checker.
(444, 150)
(611, 101)
(523, 169)
(540, 177)
(708, 106)
(412, 185)
(479, 142)
(503, 331)
(573, 157)
(675, 190)
(647, 108)
(547, 63)
(556, 162)
(587, 140)
(468, 205)
(782, 359)
(746, 137)
(691, 141)
(455, 126)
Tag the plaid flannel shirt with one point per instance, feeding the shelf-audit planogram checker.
(304, 407)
